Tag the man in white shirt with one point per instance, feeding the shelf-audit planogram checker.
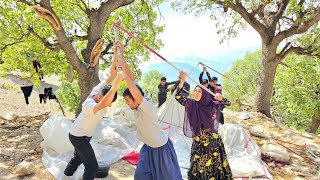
(157, 159)
(93, 110)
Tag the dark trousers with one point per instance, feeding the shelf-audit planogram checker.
(26, 92)
(221, 118)
(42, 97)
(161, 100)
(83, 154)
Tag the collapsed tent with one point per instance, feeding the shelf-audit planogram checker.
(115, 137)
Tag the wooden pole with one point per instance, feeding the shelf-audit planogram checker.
(116, 26)
(117, 38)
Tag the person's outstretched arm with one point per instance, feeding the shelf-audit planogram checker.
(209, 77)
(200, 77)
(108, 80)
(108, 98)
(125, 67)
(136, 94)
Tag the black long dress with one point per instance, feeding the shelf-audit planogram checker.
(208, 157)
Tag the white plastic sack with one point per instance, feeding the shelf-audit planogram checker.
(244, 155)
(237, 141)
(55, 134)
(110, 142)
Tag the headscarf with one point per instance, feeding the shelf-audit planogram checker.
(200, 115)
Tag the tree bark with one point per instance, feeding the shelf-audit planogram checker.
(88, 79)
(315, 123)
(266, 79)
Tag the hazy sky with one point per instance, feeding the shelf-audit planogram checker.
(196, 37)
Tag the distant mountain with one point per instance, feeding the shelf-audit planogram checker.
(171, 74)
(222, 62)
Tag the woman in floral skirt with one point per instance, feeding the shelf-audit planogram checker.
(208, 157)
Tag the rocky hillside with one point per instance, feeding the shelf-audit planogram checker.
(271, 138)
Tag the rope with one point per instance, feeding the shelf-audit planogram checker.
(164, 59)
(305, 158)
(304, 146)
(169, 124)
(313, 154)
(60, 106)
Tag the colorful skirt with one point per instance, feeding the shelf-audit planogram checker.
(158, 163)
(208, 158)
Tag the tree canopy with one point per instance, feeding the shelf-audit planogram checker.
(26, 37)
(286, 26)
(150, 83)
(296, 92)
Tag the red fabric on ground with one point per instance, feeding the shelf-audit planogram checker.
(132, 158)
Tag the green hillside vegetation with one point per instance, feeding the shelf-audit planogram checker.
(296, 93)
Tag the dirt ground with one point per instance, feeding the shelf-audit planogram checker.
(21, 136)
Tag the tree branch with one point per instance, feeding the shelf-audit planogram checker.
(74, 37)
(108, 7)
(46, 4)
(53, 47)
(303, 27)
(279, 13)
(284, 48)
(86, 10)
(106, 50)
(301, 14)
(249, 18)
(284, 64)
(2, 49)
(64, 42)
(297, 50)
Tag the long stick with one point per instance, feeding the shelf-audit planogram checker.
(194, 68)
(153, 51)
(117, 38)
(213, 70)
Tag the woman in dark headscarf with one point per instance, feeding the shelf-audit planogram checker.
(208, 157)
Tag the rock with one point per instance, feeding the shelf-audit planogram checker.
(278, 153)
(25, 168)
(302, 169)
(6, 152)
(260, 115)
(32, 152)
(2, 122)
(38, 149)
(244, 116)
(37, 121)
(18, 156)
(10, 116)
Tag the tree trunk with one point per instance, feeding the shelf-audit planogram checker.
(315, 123)
(266, 81)
(88, 79)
